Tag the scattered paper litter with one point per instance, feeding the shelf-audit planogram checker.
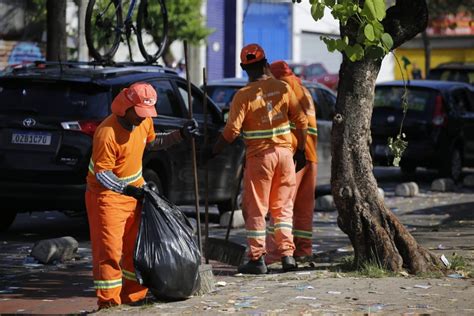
(445, 261)
(221, 283)
(334, 292)
(303, 273)
(422, 286)
(305, 298)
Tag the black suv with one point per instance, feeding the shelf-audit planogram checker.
(454, 71)
(439, 125)
(48, 115)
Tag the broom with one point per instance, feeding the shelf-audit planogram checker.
(207, 282)
(218, 249)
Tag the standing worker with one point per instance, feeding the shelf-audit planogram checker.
(115, 190)
(263, 110)
(305, 178)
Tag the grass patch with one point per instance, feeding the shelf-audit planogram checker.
(370, 269)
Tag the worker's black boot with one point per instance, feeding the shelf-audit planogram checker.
(253, 267)
(288, 263)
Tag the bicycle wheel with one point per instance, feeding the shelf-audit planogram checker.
(103, 28)
(152, 29)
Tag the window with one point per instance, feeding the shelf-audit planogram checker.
(198, 111)
(460, 101)
(167, 103)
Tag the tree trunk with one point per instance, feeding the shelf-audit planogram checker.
(375, 232)
(56, 30)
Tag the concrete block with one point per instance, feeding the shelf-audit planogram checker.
(60, 249)
(325, 203)
(407, 189)
(442, 185)
(237, 220)
(381, 192)
(468, 181)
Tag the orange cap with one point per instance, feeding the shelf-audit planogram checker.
(141, 95)
(281, 69)
(251, 53)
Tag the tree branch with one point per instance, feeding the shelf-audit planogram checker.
(405, 20)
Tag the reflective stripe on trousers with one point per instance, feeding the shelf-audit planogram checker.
(269, 184)
(114, 220)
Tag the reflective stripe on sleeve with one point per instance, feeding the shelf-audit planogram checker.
(128, 179)
(311, 130)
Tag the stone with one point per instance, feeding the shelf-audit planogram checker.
(442, 185)
(57, 249)
(468, 181)
(325, 203)
(237, 220)
(407, 189)
(381, 192)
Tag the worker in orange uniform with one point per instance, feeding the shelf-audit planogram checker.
(305, 178)
(261, 112)
(115, 190)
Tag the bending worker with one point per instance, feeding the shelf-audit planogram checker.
(115, 190)
(303, 209)
(263, 110)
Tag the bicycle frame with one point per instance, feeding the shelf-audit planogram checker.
(128, 19)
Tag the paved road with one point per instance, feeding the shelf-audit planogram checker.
(27, 287)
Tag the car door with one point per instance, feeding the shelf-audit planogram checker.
(226, 168)
(167, 164)
(462, 101)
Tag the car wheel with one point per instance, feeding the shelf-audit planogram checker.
(8, 217)
(452, 166)
(151, 176)
(227, 206)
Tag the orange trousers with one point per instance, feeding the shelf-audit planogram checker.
(269, 185)
(114, 220)
(302, 216)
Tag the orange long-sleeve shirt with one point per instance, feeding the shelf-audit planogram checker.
(306, 102)
(261, 112)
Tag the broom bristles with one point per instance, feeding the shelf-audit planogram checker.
(225, 251)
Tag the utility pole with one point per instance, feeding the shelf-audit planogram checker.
(82, 50)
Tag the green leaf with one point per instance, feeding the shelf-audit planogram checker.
(330, 3)
(340, 45)
(369, 32)
(374, 9)
(387, 41)
(317, 11)
(374, 52)
(355, 52)
(330, 43)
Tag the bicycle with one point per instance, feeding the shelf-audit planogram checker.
(104, 28)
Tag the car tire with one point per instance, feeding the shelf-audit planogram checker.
(451, 167)
(8, 217)
(151, 176)
(227, 205)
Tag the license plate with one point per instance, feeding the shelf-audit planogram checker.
(36, 138)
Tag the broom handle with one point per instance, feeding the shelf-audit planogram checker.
(206, 143)
(193, 148)
(234, 204)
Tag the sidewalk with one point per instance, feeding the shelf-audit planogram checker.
(442, 222)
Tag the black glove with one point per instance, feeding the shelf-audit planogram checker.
(300, 160)
(133, 191)
(189, 129)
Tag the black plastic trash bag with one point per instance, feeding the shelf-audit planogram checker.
(166, 256)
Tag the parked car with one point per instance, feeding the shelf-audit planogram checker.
(222, 91)
(463, 72)
(48, 116)
(317, 73)
(296, 68)
(439, 125)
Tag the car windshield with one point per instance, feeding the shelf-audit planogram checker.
(222, 95)
(419, 100)
(453, 75)
(297, 69)
(73, 100)
(314, 70)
